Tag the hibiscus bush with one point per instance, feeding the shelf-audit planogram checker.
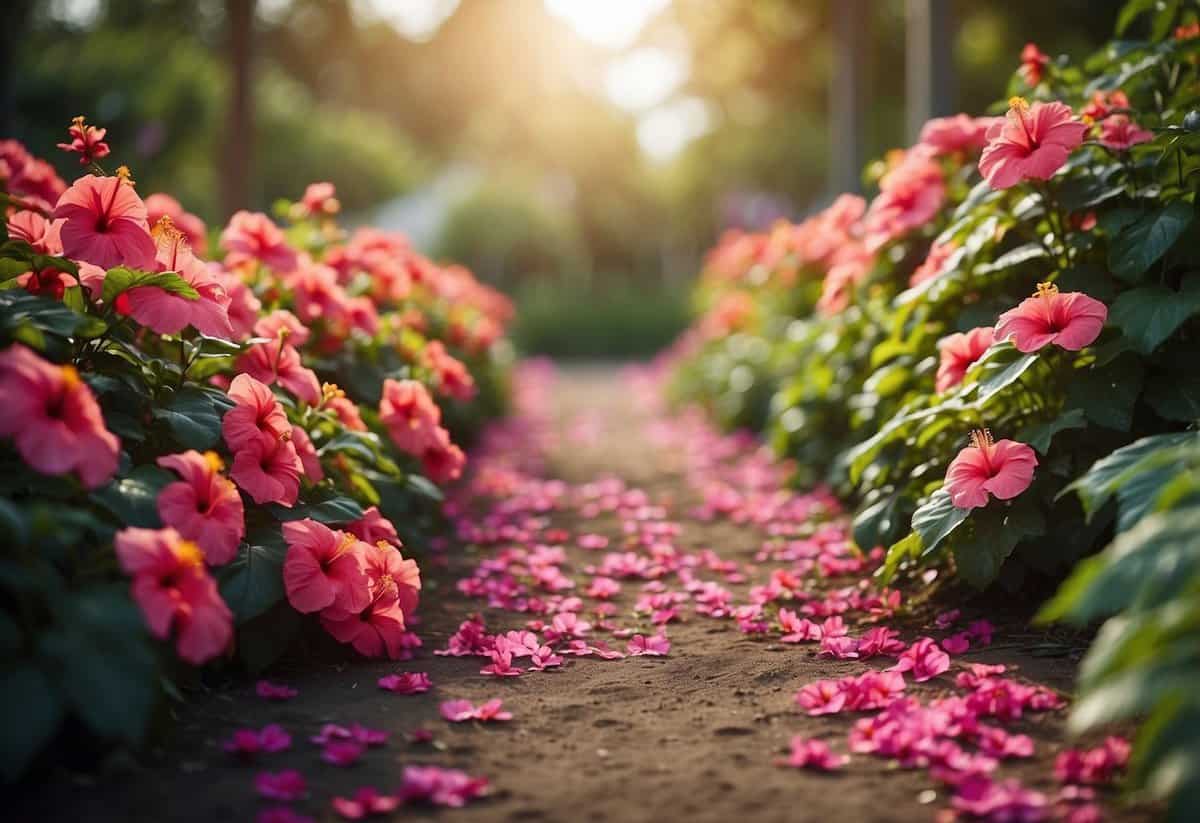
(994, 357)
(202, 446)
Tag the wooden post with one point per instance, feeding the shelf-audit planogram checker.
(237, 152)
(929, 63)
(848, 94)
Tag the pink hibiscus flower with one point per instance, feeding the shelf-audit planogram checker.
(164, 205)
(366, 801)
(168, 313)
(411, 416)
(279, 362)
(656, 645)
(307, 453)
(958, 352)
(822, 697)
(105, 224)
(459, 711)
(1031, 143)
(319, 200)
(251, 237)
(935, 262)
(250, 742)
(1070, 320)
(324, 568)
(813, 754)
(203, 506)
(375, 631)
(268, 472)
(175, 592)
(440, 787)
(924, 659)
(1033, 64)
(373, 527)
(960, 134)
(53, 419)
(1119, 133)
(257, 415)
(393, 575)
(287, 785)
(86, 141)
(1001, 468)
(441, 459)
(453, 379)
(406, 683)
(910, 195)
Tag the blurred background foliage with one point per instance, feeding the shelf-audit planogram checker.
(582, 166)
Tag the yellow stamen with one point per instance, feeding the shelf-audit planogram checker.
(1018, 102)
(189, 553)
(125, 175)
(79, 121)
(1046, 290)
(70, 377)
(1087, 119)
(383, 544)
(982, 439)
(329, 391)
(214, 461)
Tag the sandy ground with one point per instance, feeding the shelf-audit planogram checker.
(691, 736)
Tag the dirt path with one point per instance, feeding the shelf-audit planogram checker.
(689, 736)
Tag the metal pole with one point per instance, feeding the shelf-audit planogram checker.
(929, 62)
(848, 94)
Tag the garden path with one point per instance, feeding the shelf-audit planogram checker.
(689, 736)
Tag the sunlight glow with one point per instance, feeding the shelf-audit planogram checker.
(415, 19)
(644, 78)
(611, 23)
(665, 131)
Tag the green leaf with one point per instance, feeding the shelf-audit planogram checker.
(1104, 478)
(1132, 11)
(1150, 314)
(935, 520)
(339, 509)
(106, 666)
(992, 534)
(30, 711)
(193, 415)
(1000, 367)
(122, 279)
(879, 522)
(253, 582)
(1040, 435)
(1147, 239)
(1175, 396)
(1107, 393)
(133, 498)
(1155, 560)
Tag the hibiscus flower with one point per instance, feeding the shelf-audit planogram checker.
(203, 506)
(958, 352)
(1003, 468)
(1030, 143)
(175, 592)
(411, 416)
(53, 418)
(257, 415)
(105, 224)
(324, 568)
(1070, 320)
